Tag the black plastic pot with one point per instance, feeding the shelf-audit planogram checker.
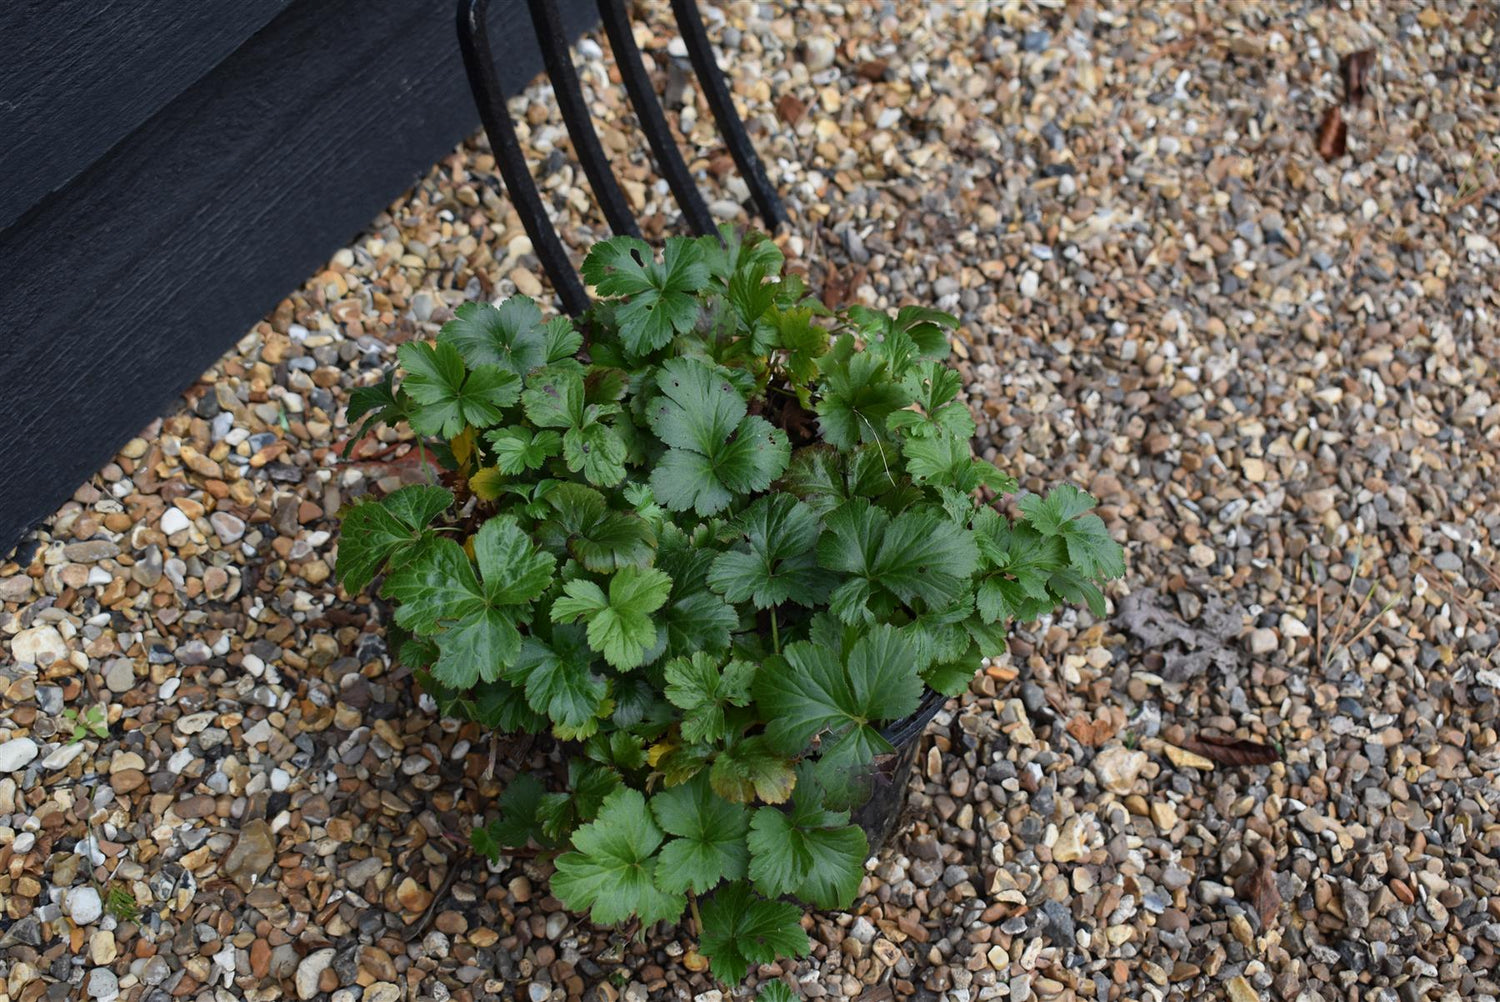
(889, 773)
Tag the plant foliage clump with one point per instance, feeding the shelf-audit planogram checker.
(714, 550)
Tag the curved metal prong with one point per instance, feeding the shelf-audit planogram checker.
(473, 40)
(722, 105)
(559, 62)
(653, 123)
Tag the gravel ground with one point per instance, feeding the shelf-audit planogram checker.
(1277, 372)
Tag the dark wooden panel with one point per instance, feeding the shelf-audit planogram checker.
(80, 75)
(154, 261)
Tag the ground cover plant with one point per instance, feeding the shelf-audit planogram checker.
(712, 539)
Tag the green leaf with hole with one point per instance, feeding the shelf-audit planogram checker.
(659, 295)
(597, 451)
(555, 398)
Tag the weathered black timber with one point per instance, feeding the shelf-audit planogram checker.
(183, 207)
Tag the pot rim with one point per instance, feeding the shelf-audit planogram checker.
(908, 729)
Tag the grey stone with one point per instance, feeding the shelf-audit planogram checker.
(102, 984)
(119, 675)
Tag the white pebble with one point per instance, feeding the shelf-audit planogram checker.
(62, 755)
(179, 760)
(84, 906)
(173, 521)
(229, 528)
(29, 646)
(818, 53)
(310, 970)
(16, 754)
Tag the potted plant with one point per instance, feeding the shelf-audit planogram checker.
(732, 551)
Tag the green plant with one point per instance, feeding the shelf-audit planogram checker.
(93, 720)
(121, 903)
(712, 550)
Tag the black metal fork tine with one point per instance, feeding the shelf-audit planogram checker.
(558, 58)
(722, 105)
(473, 40)
(653, 123)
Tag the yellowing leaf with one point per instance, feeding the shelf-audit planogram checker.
(487, 483)
(658, 751)
(462, 445)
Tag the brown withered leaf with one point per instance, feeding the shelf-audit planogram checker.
(872, 70)
(1258, 889)
(790, 108)
(1355, 68)
(720, 164)
(1333, 134)
(1230, 751)
(839, 286)
(835, 287)
(1082, 729)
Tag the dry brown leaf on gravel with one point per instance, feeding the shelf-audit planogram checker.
(1333, 134)
(1187, 649)
(1231, 751)
(790, 108)
(1355, 69)
(1258, 889)
(839, 284)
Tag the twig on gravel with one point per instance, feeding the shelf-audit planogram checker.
(1338, 624)
(1318, 637)
(1475, 196)
(1389, 605)
(454, 866)
(489, 769)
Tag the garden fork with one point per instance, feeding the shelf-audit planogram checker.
(558, 59)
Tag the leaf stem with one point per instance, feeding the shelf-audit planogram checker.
(697, 919)
(432, 476)
(775, 633)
